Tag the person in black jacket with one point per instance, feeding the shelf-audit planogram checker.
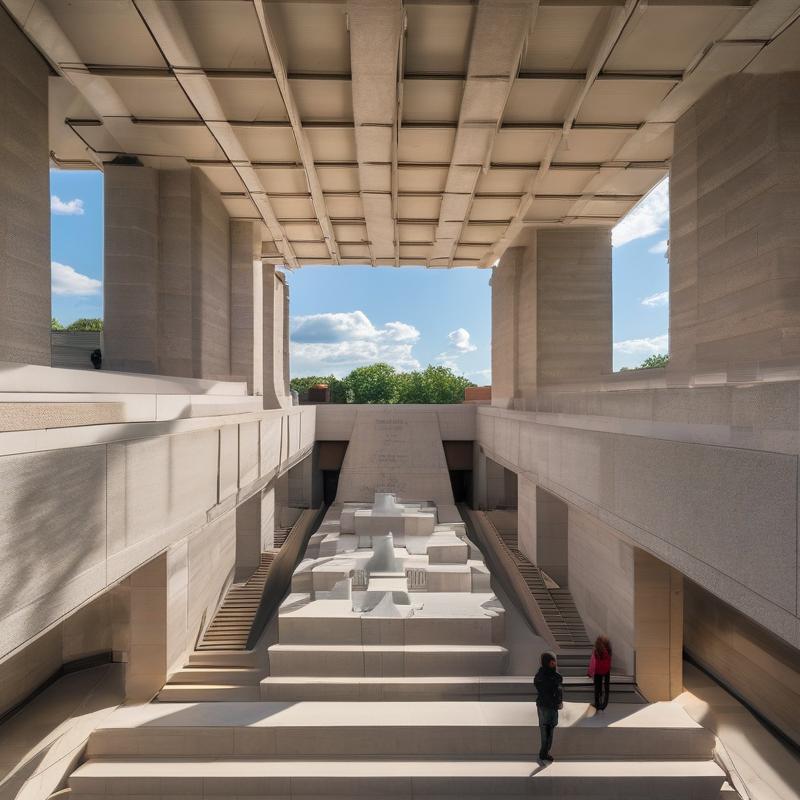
(549, 699)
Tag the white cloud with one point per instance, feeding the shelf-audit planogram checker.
(459, 339)
(70, 208)
(649, 216)
(348, 326)
(647, 346)
(66, 280)
(658, 299)
(448, 360)
(338, 342)
(659, 248)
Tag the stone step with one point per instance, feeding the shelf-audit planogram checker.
(224, 658)
(386, 660)
(207, 693)
(501, 687)
(677, 780)
(216, 675)
(356, 630)
(343, 729)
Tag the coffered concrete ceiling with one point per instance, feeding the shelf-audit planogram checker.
(388, 132)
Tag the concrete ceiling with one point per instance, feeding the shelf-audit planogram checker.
(388, 132)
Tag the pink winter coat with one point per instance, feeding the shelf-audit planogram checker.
(599, 665)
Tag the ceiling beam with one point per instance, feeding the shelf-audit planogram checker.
(499, 34)
(376, 33)
(619, 17)
(169, 34)
(304, 148)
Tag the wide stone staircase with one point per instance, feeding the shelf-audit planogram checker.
(392, 706)
(424, 750)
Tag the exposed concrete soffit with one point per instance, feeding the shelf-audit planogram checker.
(619, 18)
(40, 26)
(165, 26)
(303, 147)
(726, 56)
(729, 54)
(376, 32)
(490, 75)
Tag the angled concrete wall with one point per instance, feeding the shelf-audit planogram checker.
(24, 200)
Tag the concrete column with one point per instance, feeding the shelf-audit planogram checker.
(211, 284)
(130, 282)
(495, 485)
(272, 337)
(734, 238)
(658, 627)
(245, 253)
(573, 304)
(552, 538)
(248, 537)
(24, 200)
(175, 274)
(167, 273)
(505, 329)
(551, 314)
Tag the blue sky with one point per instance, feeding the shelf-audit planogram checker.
(76, 213)
(343, 317)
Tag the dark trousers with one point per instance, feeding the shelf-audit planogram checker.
(602, 684)
(548, 719)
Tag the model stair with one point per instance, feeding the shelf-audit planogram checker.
(230, 628)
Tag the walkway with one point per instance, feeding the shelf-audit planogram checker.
(762, 766)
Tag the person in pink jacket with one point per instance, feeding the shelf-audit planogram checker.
(600, 670)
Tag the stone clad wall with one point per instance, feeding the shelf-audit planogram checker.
(24, 200)
(81, 518)
(734, 199)
(724, 516)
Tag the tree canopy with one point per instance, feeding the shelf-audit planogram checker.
(381, 383)
(82, 324)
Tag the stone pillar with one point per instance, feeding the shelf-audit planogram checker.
(272, 337)
(734, 237)
(248, 537)
(505, 329)
(245, 253)
(495, 485)
(130, 283)
(175, 338)
(552, 536)
(658, 627)
(551, 314)
(211, 284)
(167, 273)
(573, 305)
(24, 200)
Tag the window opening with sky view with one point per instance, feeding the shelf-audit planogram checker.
(354, 316)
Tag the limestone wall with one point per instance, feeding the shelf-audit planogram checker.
(504, 328)
(79, 516)
(725, 516)
(733, 233)
(601, 581)
(24, 200)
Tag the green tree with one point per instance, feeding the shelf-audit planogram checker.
(660, 360)
(55, 325)
(376, 383)
(86, 324)
(432, 385)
